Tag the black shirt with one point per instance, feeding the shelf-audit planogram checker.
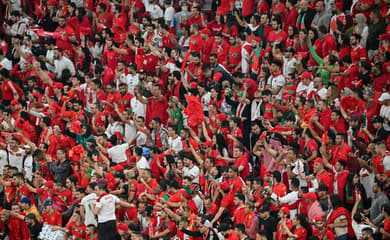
(374, 31)
(269, 226)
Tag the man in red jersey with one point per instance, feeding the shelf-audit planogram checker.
(196, 41)
(358, 52)
(67, 36)
(234, 55)
(277, 34)
(157, 104)
(118, 24)
(50, 215)
(321, 230)
(124, 97)
(104, 18)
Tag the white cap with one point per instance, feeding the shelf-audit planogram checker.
(385, 96)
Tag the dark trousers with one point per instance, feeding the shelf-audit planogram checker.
(107, 230)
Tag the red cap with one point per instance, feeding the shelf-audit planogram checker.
(31, 59)
(384, 36)
(310, 195)
(54, 106)
(268, 172)
(123, 227)
(339, 5)
(118, 168)
(205, 31)
(36, 94)
(319, 218)
(221, 117)
(49, 184)
(207, 144)
(52, 2)
(14, 102)
(319, 160)
(257, 39)
(285, 210)
(305, 75)
(58, 85)
(193, 85)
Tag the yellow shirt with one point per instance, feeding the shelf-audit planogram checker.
(33, 209)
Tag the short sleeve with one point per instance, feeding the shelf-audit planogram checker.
(116, 199)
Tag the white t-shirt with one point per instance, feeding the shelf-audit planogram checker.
(138, 108)
(194, 171)
(357, 228)
(112, 128)
(16, 158)
(28, 167)
(289, 65)
(304, 90)
(3, 159)
(297, 170)
(175, 144)
(169, 14)
(131, 82)
(130, 131)
(87, 202)
(205, 101)
(107, 208)
(117, 153)
(385, 113)
(142, 164)
(275, 82)
(62, 64)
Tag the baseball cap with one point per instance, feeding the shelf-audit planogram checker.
(58, 85)
(385, 96)
(49, 184)
(205, 31)
(265, 208)
(207, 144)
(25, 200)
(377, 119)
(123, 227)
(118, 168)
(355, 116)
(47, 202)
(305, 75)
(221, 117)
(319, 160)
(309, 195)
(285, 210)
(319, 219)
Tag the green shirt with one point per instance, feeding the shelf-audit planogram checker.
(322, 73)
(176, 114)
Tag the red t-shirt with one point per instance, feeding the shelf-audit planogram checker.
(61, 200)
(124, 101)
(76, 231)
(64, 43)
(54, 218)
(157, 108)
(105, 20)
(239, 215)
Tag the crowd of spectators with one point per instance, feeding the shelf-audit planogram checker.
(189, 120)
